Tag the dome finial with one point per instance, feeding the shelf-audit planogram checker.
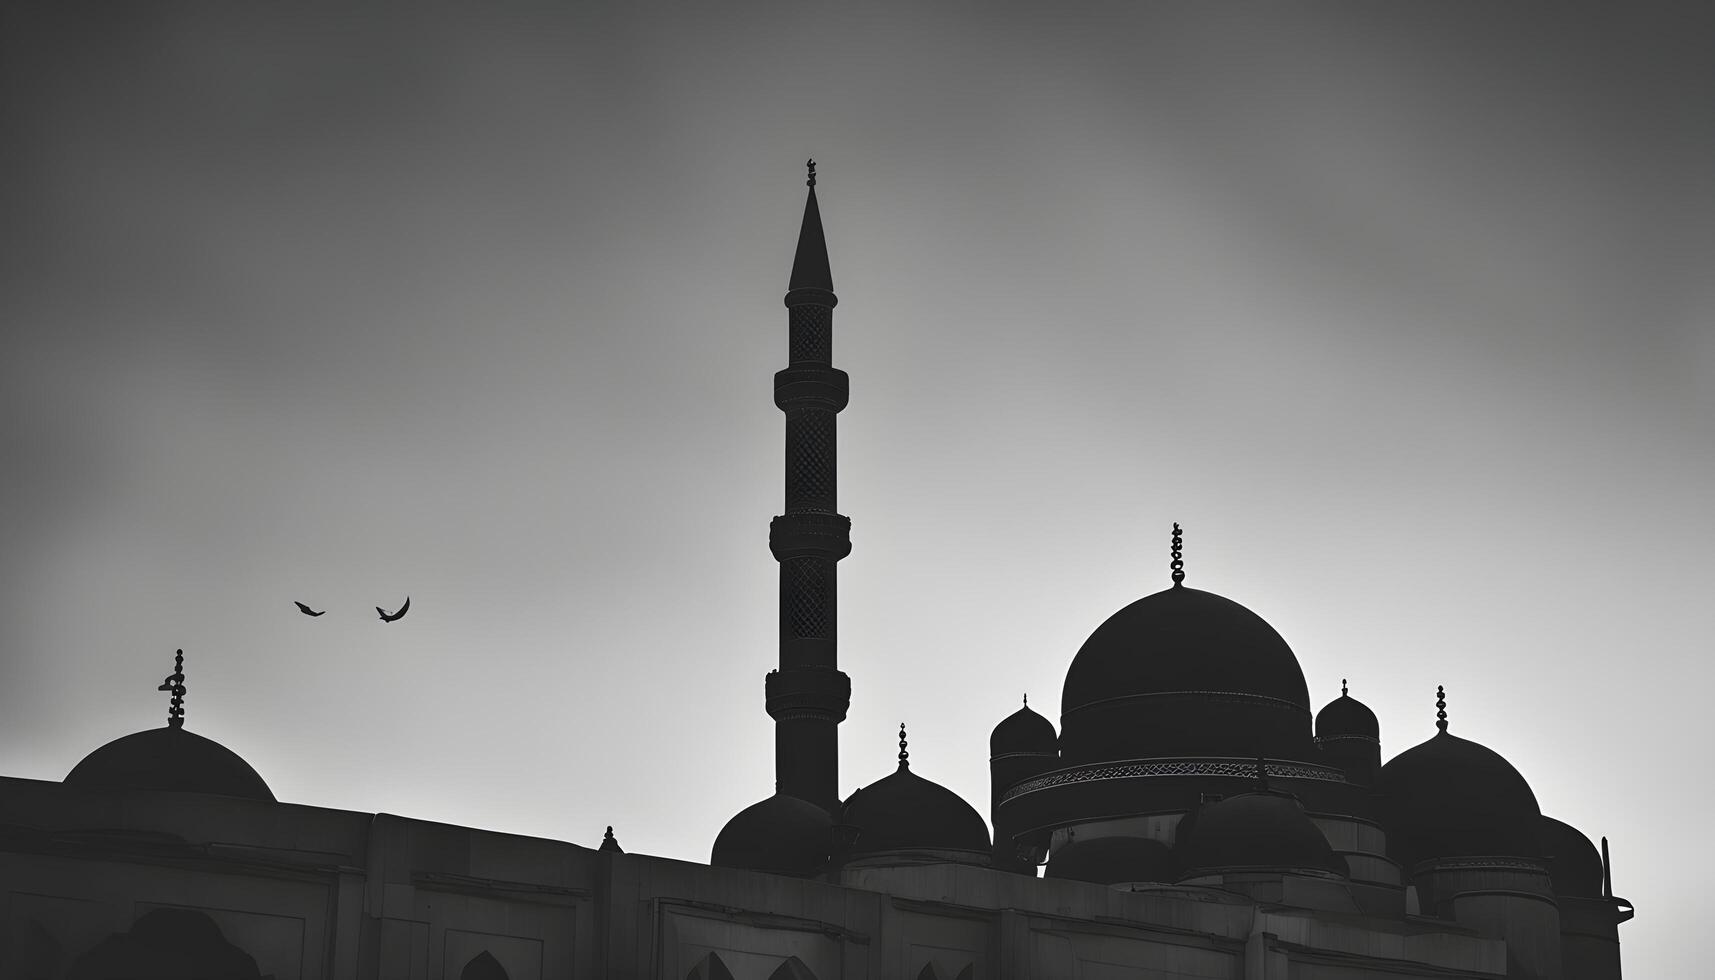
(904, 756)
(175, 683)
(1441, 707)
(1178, 562)
(1027, 699)
(1342, 687)
(810, 165)
(610, 843)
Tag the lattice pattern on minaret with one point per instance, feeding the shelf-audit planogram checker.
(810, 477)
(806, 599)
(810, 333)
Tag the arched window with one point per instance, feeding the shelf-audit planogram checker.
(166, 942)
(483, 966)
(792, 969)
(709, 967)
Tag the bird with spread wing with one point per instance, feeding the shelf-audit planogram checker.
(306, 610)
(387, 617)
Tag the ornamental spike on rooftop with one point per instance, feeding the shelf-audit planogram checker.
(175, 683)
(1178, 553)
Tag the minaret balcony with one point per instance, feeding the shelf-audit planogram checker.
(814, 692)
(815, 386)
(808, 535)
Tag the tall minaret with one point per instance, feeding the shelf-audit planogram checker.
(808, 695)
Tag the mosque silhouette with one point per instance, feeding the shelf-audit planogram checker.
(1189, 818)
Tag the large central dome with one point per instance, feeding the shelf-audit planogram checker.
(1183, 672)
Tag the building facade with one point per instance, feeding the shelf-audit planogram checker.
(1189, 818)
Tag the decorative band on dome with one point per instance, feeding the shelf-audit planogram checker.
(1237, 768)
(1223, 695)
(1478, 862)
(1366, 739)
(1301, 870)
(1024, 755)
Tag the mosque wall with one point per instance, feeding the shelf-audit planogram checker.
(316, 894)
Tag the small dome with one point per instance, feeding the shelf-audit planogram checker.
(1451, 797)
(781, 835)
(170, 759)
(1262, 830)
(905, 812)
(1347, 717)
(1182, 672)
(1574, 864)
(1023, 731)
(1115, 861)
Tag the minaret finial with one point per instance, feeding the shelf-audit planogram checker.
(1342, 687)
(810, 165)
(1178, 562)
(1441, 707)
(904, 756)
(175, 683)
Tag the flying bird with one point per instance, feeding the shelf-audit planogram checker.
(388, 618)
(306, 610)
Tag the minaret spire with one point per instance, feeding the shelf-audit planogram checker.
(810, 265)
(808, 695)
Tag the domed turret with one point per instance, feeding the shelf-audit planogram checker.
(1347, 717)
(905, 813)
(170, 759)
(1451, 797)
(781, 835)
(1023, 732)
(1023, 745)
(1348, 735)
(1573, 862)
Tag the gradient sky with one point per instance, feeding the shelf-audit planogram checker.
(1405, 312)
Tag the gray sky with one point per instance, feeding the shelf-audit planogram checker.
(1403, 311)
